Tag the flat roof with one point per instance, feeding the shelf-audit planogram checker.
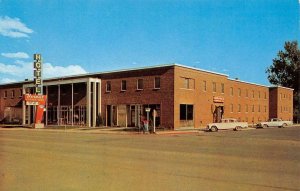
(281, 87)
(135, 69)
(237, 80)
(114, 71)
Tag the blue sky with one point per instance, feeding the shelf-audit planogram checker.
(236, 37)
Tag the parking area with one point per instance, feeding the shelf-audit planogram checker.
(259, 159)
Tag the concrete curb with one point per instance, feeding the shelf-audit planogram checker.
(120, 131)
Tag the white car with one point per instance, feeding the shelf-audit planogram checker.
(274, 122)
(228, 123)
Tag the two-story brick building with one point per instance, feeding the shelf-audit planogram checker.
(182, 97)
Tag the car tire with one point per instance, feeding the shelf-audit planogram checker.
(265, 126)
(214, 129)
(237, 128)
(284, 125)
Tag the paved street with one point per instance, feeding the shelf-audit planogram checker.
(260, 159)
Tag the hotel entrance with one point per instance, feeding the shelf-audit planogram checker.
(218, 109)
(69, 102)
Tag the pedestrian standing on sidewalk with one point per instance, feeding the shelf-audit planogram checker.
(146, 125)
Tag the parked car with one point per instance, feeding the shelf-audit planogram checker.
(228, 123)
(274, 122)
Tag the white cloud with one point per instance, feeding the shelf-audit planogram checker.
(7, 80)
(15, 55)
(13, 27)
(21, 70)
(54, 71)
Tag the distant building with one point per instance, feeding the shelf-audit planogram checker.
(182, 97)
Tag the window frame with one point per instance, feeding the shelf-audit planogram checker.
(186, 116)
(21, 92)
(214, 87)
(108, 86)
(222, 88)
(204, 85)
(122, 85)
(140, 82)
(12, 95)
(155, 80)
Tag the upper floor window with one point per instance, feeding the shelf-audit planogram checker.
(252, 108)
(246, 108)
(12, 93)
(140, 84)
(265, 109)
(259, 94)
(246, 93)
(214, 87)
(239, 108)
(5, 94)
(157, 83)
(222, 88)
(204, 85)
(231, 91)
(108, 86)
(252, 93)
(231, 108)
(188, 83)
(239, 92)
(21, 93)
(280, 95)
(265, 95)
(123, 85)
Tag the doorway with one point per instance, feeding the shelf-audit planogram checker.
(218, 114)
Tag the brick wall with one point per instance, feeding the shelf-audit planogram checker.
(281, 101)
(163, 96)
(11, 104)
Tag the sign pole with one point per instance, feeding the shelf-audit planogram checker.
(154, 117)
(37, 72)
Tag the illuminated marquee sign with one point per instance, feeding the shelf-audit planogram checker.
(37, 65)
(32, 99)
(218, 99)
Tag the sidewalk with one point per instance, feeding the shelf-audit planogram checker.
(113, 130)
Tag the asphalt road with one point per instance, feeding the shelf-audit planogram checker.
(262, 159)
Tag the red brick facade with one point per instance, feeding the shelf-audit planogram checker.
(182, 97)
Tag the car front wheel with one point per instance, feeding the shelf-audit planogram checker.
(214, 129)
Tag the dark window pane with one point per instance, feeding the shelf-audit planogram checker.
(182, 112)
(190, 112)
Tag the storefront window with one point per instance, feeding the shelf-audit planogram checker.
(186, 112)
